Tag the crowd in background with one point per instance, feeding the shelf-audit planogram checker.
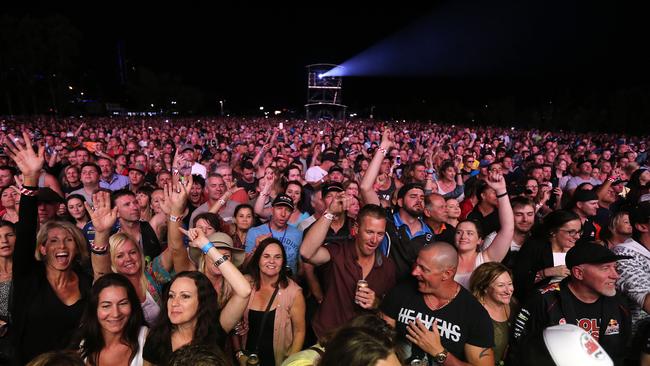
(130, 241)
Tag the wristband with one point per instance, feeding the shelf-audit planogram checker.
(221, 260)
(329, 216)
(173, 218)
(29, 191)
(502, 194)
(98, 250)
(206, 248)
(383, 150)
(175, 171)
(611, 179)
(222, 201)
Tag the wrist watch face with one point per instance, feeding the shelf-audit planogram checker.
(440, 357)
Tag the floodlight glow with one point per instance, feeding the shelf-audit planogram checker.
(320, 76)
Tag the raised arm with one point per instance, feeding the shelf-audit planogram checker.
(367, 192)
(236, 305)
(264, 213)
(174, 206)
(103, 219)
(311, 248)
(501, 243)
(30, 164)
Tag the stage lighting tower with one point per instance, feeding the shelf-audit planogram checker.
(324, 94)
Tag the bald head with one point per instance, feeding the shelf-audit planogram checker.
(441, 255)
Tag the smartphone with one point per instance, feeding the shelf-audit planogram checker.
(281, 125)
(398, 160)
(320, 132)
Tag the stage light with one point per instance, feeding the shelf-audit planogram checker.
(320, 76)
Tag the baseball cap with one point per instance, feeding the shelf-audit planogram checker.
(331, 187)
(591, 253)
(335, 168)
(283, 200)
(569, 345)
(187, 147)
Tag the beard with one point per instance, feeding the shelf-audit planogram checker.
(413, 212)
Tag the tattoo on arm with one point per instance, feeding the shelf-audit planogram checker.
(484, 353)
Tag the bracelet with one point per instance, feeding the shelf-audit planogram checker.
(238, 354)
(383, 150)
(206, 248)
(502, 194)
(98, 250)
(173, 218)
(329, 216)
(611, 179)
(222, 201)
(221, 260)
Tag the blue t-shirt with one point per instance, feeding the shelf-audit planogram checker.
(291, 239)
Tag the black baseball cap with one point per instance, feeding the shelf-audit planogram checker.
(283, 200)
(331, 187)
(330, 156)
(335, 168)
(591, 253)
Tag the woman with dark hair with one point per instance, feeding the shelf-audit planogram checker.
(7, 244)
(143, 196)
(112, 329)
(360, 346)
(242, 222)
(208, 222)
(77, 210)
(49, 288)
(541, 258)
(638, 186)
(189, 315)
(276, 309)
(469, 235)
(491, 285)
(8, 203)
(450, 181)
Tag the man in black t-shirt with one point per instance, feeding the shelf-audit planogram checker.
(437, 319)
(587, 298)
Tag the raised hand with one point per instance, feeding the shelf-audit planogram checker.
(196, 236)
(175, 197)
(387, 139)
(339, 204)
(101, 214)
(497, 182)
(27, 160)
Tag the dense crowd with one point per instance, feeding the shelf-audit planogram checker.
(285, 242)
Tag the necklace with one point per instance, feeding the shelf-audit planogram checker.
(445, 303)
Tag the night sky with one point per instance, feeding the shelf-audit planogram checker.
(253, 54)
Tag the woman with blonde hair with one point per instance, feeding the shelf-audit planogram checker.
(50, 290)
(491, 285)
(127, 258)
